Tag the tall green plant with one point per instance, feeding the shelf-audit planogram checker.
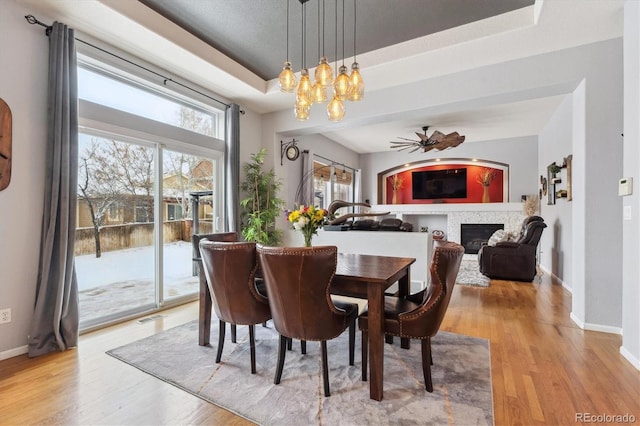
(261, 205)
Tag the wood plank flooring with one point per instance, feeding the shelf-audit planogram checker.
(544, 368)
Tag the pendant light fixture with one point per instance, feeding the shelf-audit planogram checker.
(335, 108)
(342, 84)
(303, 93)
(287, 77)
(324, 72)
(319, 90)
(356, 89)
(343, 87)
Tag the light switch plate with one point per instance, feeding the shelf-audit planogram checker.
(625, 186)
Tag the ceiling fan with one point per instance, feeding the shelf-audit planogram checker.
(437, 140)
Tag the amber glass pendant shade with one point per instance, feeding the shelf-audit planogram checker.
(302, 112)
(341, 84)
(335, 109)
(318, 93)
(287, 78)
(304, 88)
(356, 89)
(324, 72)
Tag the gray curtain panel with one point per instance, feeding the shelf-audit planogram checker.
(232, 167)
(55, 319)
(306, 191)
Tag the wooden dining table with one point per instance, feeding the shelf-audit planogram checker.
(357, 275)
(368, 276)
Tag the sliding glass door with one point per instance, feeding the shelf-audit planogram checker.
(115, 232)
(149, 177)
(188, 196)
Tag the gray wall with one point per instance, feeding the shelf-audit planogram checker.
(631, 228)
(555, 245)
(24, 61)
(23, 86)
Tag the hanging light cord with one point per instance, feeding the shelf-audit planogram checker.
(343, 32)
(288, 30)
(304, 35)
(336, 40)
(354, 30)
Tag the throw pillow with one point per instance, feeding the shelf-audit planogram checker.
(497, 237)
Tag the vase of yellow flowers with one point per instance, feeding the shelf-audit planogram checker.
(307, 219)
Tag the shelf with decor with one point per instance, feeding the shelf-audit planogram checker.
(554, 184)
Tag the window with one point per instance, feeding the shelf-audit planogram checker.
(143, 152)
(332, 182)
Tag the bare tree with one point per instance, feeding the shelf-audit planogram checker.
(110, 173)
(98, 194)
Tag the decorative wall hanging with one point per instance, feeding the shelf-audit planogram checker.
(5, 145)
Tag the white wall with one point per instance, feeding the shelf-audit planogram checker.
(554, 143)
(631, 228)
(23, 87)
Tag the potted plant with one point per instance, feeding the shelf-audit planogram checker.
(261, 204)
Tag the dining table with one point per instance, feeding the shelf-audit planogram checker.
(357, 275)
(369, 276)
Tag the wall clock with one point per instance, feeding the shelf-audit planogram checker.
(5, 145)
(289, 150)
(293, 152)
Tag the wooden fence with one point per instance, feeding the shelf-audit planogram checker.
(118, 237)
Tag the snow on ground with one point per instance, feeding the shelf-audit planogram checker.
(123, 279)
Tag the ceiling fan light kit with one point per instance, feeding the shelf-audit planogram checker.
(344, 87)
(437, 140)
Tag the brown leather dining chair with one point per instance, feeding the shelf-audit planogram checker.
(419, 315)
(298, 281)
(230, 270)
(204, 298)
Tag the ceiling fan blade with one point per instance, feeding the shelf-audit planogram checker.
(451, 140)
(415, 149)
(406, 139)
(437, 136)
(403, 142)
(422, 137)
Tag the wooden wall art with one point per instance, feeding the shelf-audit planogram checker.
(5, 145)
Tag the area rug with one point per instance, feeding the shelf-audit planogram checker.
(461, 379)
(469, 274)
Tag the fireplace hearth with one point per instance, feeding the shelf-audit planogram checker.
(474, 235)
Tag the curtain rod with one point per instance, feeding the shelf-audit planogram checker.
(34, 21)
(333, 163)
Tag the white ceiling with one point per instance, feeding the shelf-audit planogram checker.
(547, 26)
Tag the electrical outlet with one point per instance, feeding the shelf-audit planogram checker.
(5, 315)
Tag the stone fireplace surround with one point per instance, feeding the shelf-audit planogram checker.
(509, 214)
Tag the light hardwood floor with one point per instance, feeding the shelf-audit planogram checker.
(544, 368)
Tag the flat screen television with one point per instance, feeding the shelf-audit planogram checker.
(439, 184)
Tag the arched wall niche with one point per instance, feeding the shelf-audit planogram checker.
(401, 177)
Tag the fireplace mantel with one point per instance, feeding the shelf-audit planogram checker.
(510, 214)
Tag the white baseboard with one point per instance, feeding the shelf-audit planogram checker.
(595, 327)
(629, 357)
(14, 352)
(556, 279)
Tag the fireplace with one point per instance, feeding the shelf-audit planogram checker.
(474, 235)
